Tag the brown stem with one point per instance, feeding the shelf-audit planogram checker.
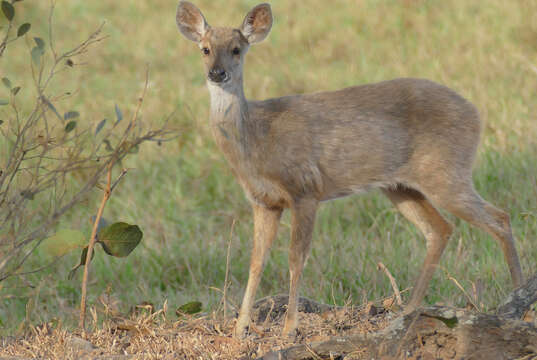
(106, 196)
(227, 268)
(395, 288)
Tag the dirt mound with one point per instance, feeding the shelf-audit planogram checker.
(197, 337)
(325, 332)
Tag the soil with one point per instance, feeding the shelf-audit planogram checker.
(150, 335)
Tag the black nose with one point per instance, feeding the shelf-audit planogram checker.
(217, 74)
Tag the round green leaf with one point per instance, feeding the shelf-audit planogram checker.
(192, 307)
(63, 242)
(70, 126)
(120, 238)
(8, 10)
(23, 29)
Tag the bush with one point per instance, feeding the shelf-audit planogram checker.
(49, 160)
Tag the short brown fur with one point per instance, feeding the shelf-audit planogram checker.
(414, 139)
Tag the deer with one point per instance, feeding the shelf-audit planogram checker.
(413, 139)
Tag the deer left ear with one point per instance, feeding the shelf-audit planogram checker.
(257, 23)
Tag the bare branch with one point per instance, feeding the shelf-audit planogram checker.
(395, 288)
(106, 196)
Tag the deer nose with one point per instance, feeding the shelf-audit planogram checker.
(217, 75)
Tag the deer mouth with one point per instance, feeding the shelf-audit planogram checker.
(222, 81)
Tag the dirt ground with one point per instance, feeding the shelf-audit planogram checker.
(147, 335)
(196, 337)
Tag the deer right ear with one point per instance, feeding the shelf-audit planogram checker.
(190, 21)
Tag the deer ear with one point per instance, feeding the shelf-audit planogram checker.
(257, 23)
(190, 21)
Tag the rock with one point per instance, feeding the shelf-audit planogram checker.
(77, 343)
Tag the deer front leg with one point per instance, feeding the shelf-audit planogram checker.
(265, 228)
(303, 220)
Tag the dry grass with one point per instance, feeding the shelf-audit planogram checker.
(152, 336)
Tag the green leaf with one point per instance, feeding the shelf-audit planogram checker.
(4, 102)
(134, 149)
(82, 262)
(70, 126)
(102, 223)
(63, 242)
(119, 115)
(15, 90)
(36, 55)
(52, 107)
(27, 194)
(7, 82)
(40, 43)
(23, 29)
(71, 115)
(100, 126)
(189, 308)
(107, 144)
(120, 238)
(449, 322)
(8, 10)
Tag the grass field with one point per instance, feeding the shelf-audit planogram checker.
(183, 195)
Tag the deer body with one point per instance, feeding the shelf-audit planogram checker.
(332, 144)
(414, 139)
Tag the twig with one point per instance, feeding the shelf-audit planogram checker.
(272, 303)
(232, 304)
(3, 43)
(123, 173)
(106, 196)
(395, 288)
(313, 353)
(227, 267)
(468, 297)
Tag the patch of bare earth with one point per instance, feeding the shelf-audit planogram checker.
(433, 332)
(198, 337)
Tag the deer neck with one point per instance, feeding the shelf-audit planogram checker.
(229, 117)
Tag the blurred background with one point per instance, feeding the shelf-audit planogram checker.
(184, 198)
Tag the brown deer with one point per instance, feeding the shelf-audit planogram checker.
(414, 139)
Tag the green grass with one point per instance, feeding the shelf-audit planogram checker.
(183, 195)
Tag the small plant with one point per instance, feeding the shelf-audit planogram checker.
(50, 160)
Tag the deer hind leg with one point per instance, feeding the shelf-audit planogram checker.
(418, 210)
(265, 229)
(464, 202)
(303, 219)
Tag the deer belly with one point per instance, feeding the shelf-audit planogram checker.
(264, 192)
(355, 189)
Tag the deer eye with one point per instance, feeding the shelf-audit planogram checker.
(205, 51)
(236, 51)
